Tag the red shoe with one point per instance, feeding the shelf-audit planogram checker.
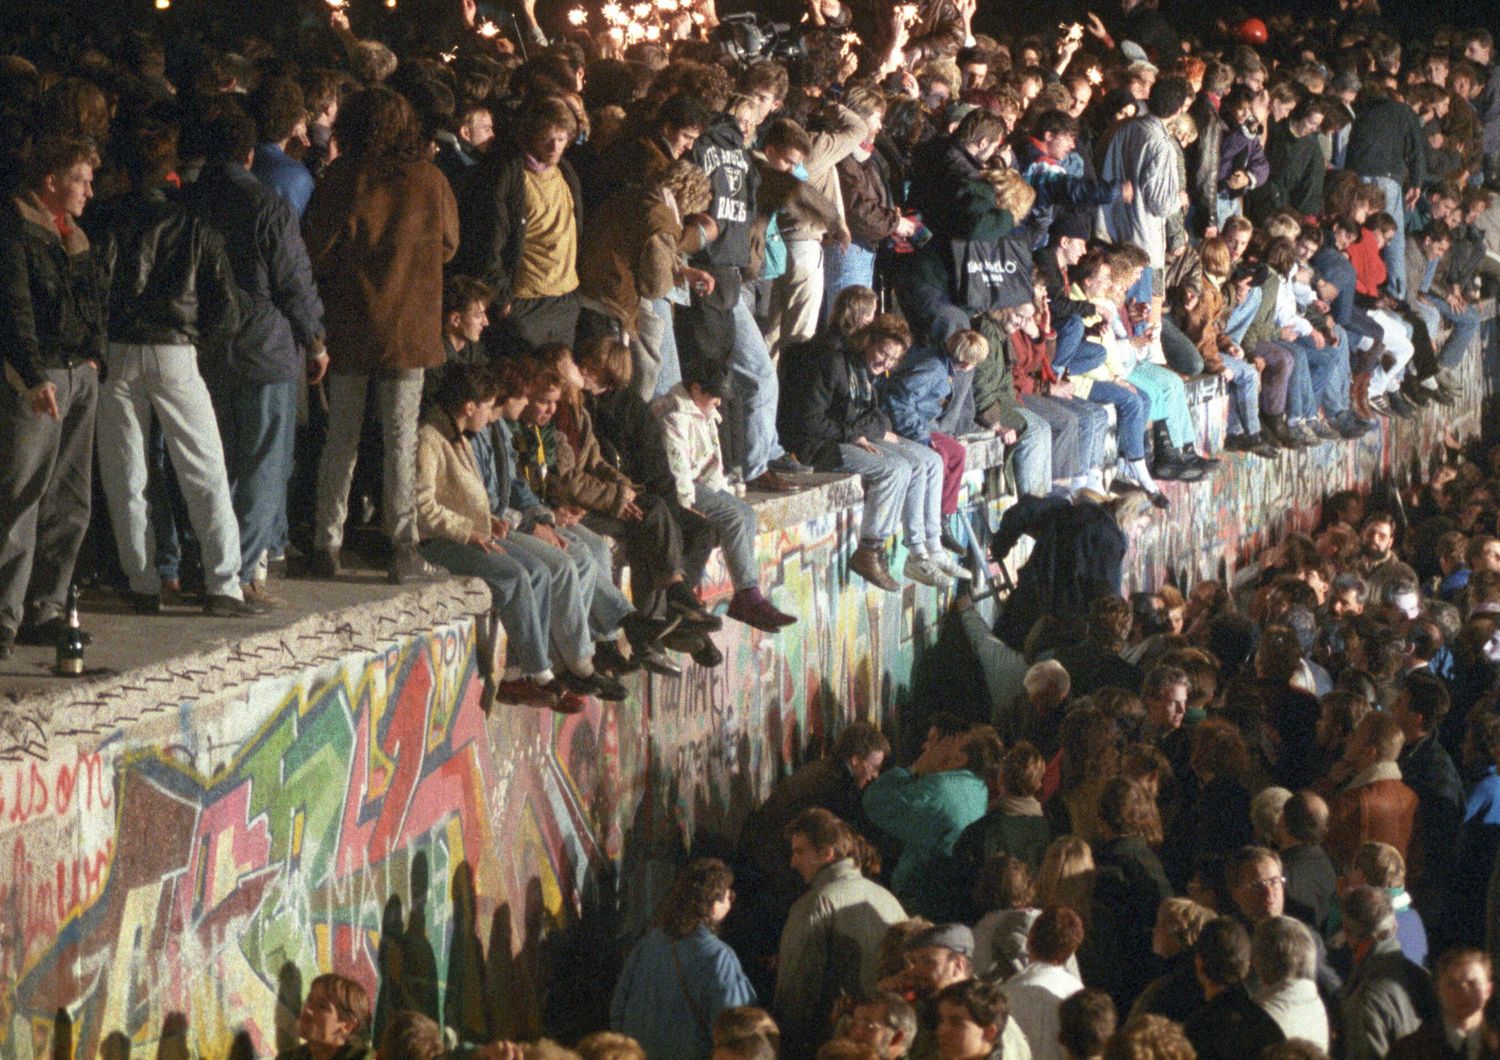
(527, 693)
(753, 609)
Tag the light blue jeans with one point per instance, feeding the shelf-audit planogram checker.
(735, 523)
(520, 596)
(903, 482)
(572, 589)
(751, 414)
(1330, 374)
(1168, 400)
(608, 605)
(854, 267)
(655, 323)
(1465, 327)
(165, 379)
(1032, 456)
(1244, 396)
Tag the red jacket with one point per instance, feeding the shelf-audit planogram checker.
(1369, 268)
(1031, 361)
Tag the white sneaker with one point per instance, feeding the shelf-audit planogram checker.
(950, 566)
(922, 569)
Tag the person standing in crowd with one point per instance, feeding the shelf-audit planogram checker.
(379, 229)
(680, 977)
(170, 292)
(52, 334)
(254, 380)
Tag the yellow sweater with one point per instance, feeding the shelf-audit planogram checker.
(549, 254)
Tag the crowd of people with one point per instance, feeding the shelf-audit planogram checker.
(528, 298)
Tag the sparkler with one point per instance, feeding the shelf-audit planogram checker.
(907, 13)
(448, 57)
(338, 5)
(162, 5)
(578, 16)
(487, 29)
(1094, 76)
(1072, 32)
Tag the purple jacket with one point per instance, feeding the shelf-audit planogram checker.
(1240, 150)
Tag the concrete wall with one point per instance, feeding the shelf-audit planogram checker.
(182, 851)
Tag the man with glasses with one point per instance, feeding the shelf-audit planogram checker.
(1257, 886)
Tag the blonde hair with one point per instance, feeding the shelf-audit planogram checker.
(1012, 193)
(944, 70)
(688, 184)
(1282, 225)
(968, 348)
(1066, 875)
(1183, 919)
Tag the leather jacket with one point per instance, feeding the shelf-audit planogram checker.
(169, 276)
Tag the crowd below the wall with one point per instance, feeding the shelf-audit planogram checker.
(529, 300)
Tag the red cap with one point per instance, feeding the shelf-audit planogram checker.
(1252, 31)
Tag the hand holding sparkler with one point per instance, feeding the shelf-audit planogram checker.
(488, 30)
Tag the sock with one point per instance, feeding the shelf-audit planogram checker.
(1142, 474)
(1095, 479)
(512, 673)
(582, 667)
(1078, 482)
(542, 677)
(935, 547)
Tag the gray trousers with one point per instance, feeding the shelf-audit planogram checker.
(45, 479)
(166, 380)
(400, 395)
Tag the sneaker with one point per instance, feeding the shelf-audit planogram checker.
(44, 634)
(752, 608)
(921, 569)
(1305, 435)
(407, 565)
(788, 464)
(950, 566)
(324, 563)
(870, 564)
(258, 592)
(1380, 405)
(685, 603)
(1324, 430)
(654, 660)
(527, 693)
(220, 605)
(707, 655)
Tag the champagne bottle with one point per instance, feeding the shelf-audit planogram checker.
(70, 643)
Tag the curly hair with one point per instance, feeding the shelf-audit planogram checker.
(688, 184)
(696, 890)
(1127, 809)
(1012, 193)
(378, 126)
(1149, 1037)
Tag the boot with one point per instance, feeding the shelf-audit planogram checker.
(1277, 430)
(1359, 395)
(870, 564)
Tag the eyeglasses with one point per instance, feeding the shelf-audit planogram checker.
(1268, 883)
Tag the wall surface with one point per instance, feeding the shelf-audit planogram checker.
(172, 877)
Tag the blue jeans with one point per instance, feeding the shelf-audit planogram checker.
(655, 323)
(258, 422)
(1032, 456)
(1329, 374)
(854, 267)
(1132, 413)
(1168, 400)
(1066, 429)
(1301, 399)
(1465, 327)
(609, 605)
(904, 473)
(751, 416)
(1394, 254)
(571, 594)
(1244, 396)
(735, 523)
(521, 597)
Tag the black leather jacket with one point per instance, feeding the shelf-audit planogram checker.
(169, 277)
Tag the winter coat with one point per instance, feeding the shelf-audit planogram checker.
(692, 440)
(169, 277)
(1382, 810)
(1387, 997)
(928, 814)
(830, 948)
(820, 410)
(631, 253)
(378, 237)
(1386, 140)
(1203, 161)
(54, 294)
(279, 303)
(451, 501)
(917, 394)
(671, 990)
(1298, 168)
(869, 209)
(831, 147)
(1076, 557)
(1142, 153)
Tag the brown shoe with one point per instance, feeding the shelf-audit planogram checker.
(257, 592)
(1359, 395)
(771, 482)
(870, 564)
